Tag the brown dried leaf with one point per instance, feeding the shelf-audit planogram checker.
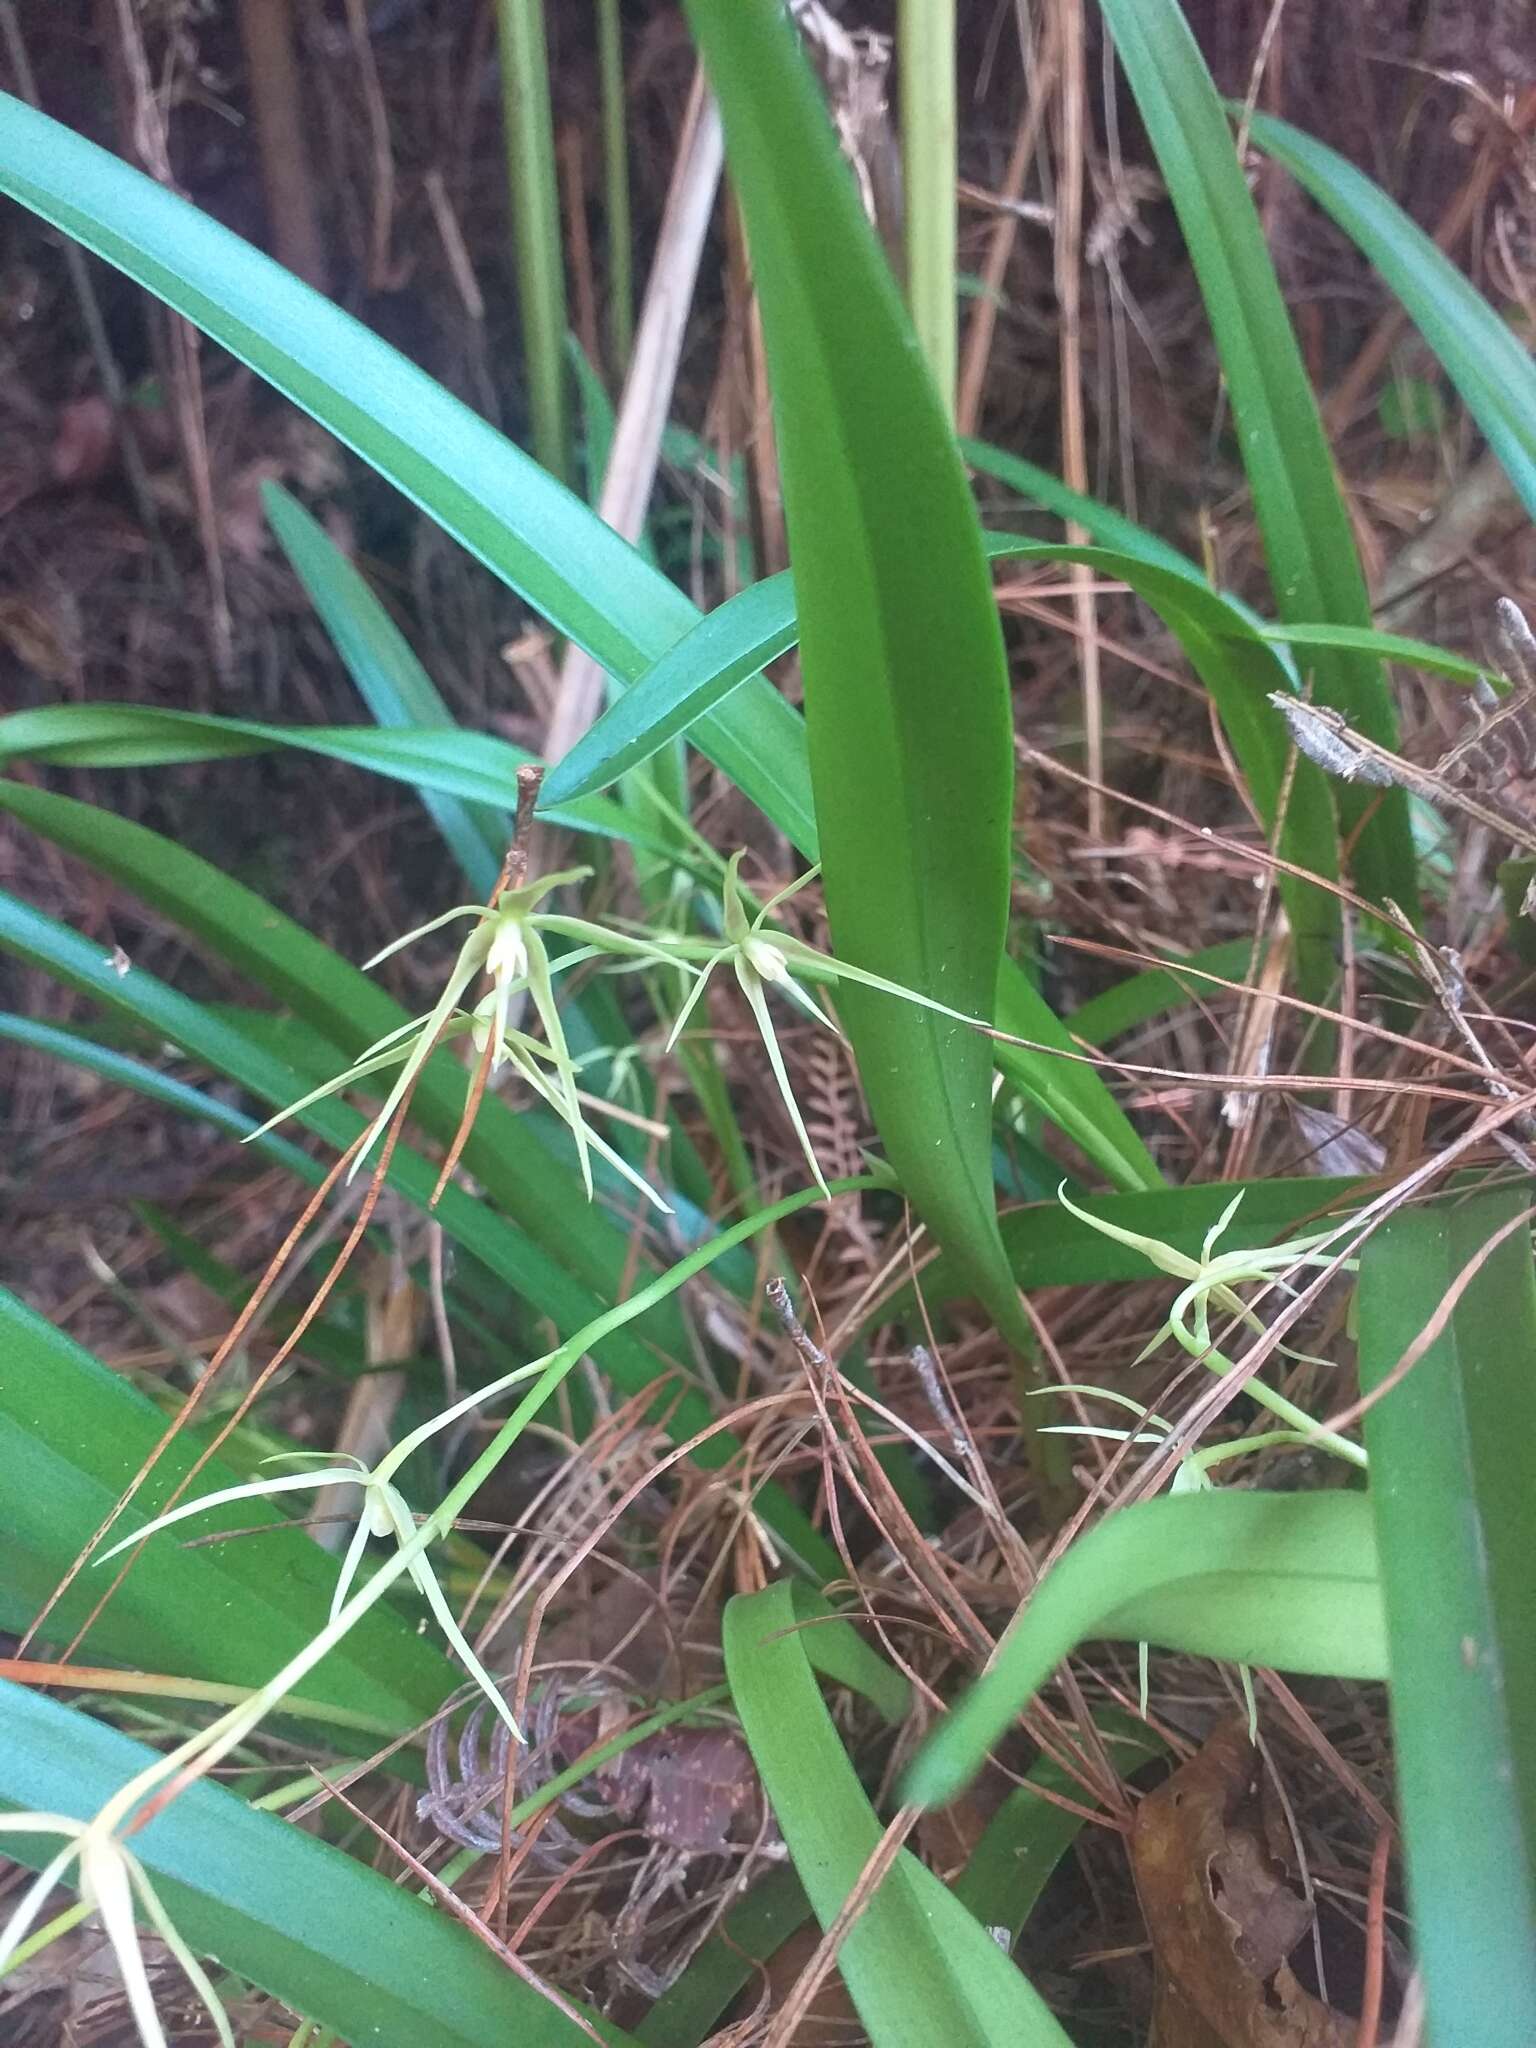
(1221, 1912)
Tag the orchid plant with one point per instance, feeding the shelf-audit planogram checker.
(508, 945)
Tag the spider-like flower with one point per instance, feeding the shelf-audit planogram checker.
(111, 1879)
(508, 945)
(1214, 1277)
(385, 1512)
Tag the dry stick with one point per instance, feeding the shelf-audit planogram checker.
(982, 324)
(648, 386)
(1068, 245)
(149, 146)
(381, 271)
(1375, 1940)
(282, 149)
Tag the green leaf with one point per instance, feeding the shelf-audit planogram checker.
(472, 766)
(391, 681)
(528, 529)
(918, 1967)
(1451, 1447)
(1483, 358)
(73, 1436)
(1259, 1578)
(1027, 1837)
(1313, 564)
(906, 684)
(1390, 646)
(1110, 529)
(330, 1937)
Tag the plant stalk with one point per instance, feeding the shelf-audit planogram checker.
(533, 196)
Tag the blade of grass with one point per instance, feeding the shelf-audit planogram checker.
(330, 1937)
(1154, 991)
(1313, 563)
(925, 61)
(913, 777)
(472, 766)
(1281, 1579)
(1028, 1836)
(533, 196)
(72, 1436)
(391, 681)
(1456, 1524)
(918, 1967)
(621, 290)
(1480, 353)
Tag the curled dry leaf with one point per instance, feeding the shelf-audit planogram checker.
(1222, 1915)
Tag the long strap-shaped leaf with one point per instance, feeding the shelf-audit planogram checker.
(330, 1937)
(484, 491)
(1482, 356)
(473, 766)
(919, 1968)
(906, 685)
(1451, 1446)
(1313, 564)
(1287, 1579)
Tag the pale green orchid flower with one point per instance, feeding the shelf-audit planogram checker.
(111, 1880)
(385, 1512)
(1214, 1277)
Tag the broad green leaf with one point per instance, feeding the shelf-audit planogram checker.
(1481, 354)
(516, 1260)
(1451, 1447)
(474, 767)
(391, 681)
(906, 683)
(1313, 564)
(527, 528)
(1284, 1579)
(330, 1937)
(73, 1436)
(918, 1967)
